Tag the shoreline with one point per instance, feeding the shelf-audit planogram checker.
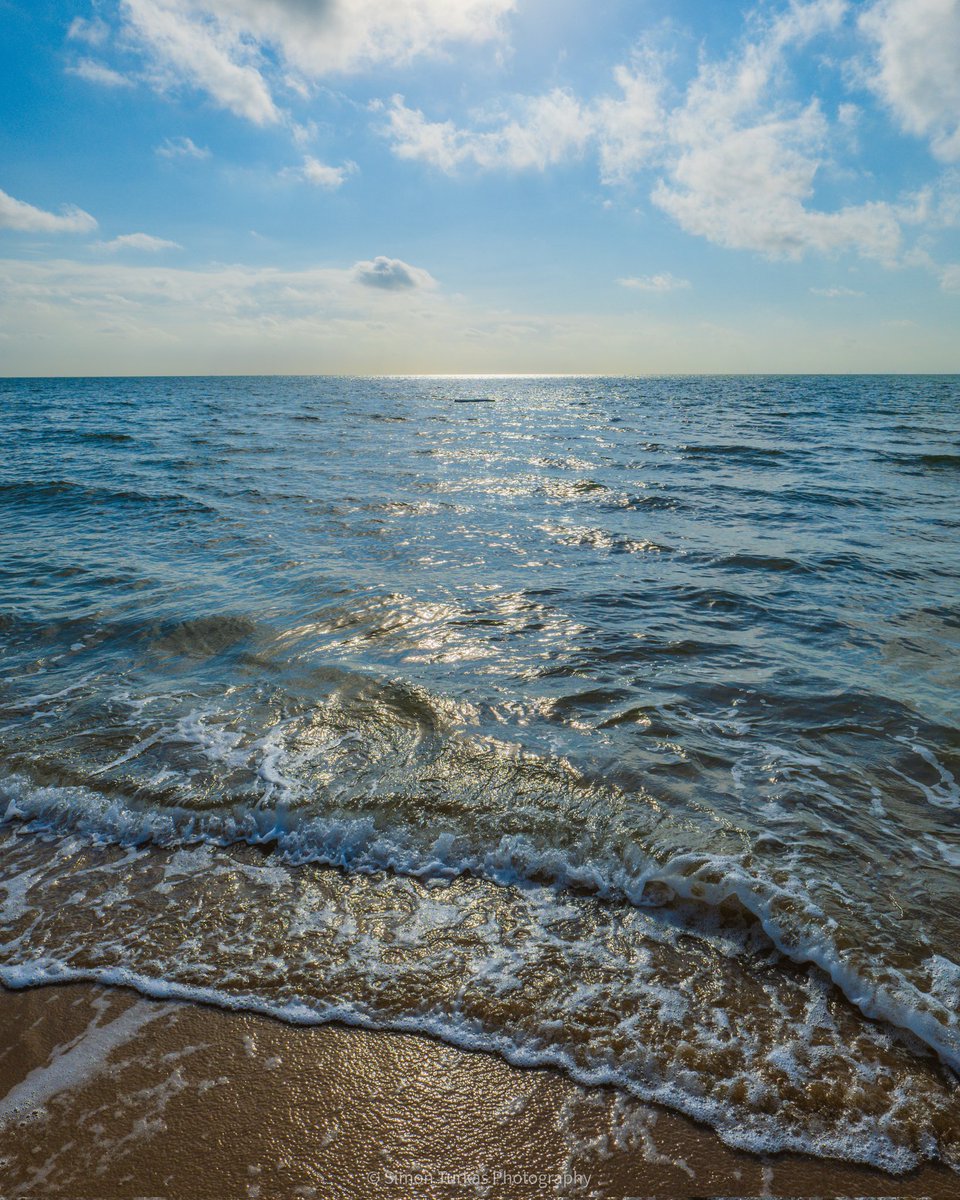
(107, 1095)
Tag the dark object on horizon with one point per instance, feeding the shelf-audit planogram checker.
(473, 400)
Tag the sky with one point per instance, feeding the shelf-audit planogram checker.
(479, 186)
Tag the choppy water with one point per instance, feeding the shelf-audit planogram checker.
(612, 725)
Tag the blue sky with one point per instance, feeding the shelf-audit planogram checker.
(233, 186)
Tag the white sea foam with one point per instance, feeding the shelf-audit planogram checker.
(73, 1063)
(945, 793)
(804, 935)
(949, 854)
(861, 1141)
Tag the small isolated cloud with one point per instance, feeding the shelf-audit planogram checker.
(138, 241)
(320, 174)
(834, 293)
(94, 32)
(664, 282)
(391, 274)
(94, 72)
(848, 115)
(181, 147)
(17, 214)
(950, 277)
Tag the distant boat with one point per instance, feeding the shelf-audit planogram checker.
(473, 400)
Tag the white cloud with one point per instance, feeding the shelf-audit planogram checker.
(133, 317)
(742, 165)
(181, 147)
(542, 131)
(186, 48)
(391, 275)
(664, 282)
(631, 126)
(747, 187)
(17, 214)
(848, 115)
(916, 72)
(114, 317)
(738, 162)
(138, 241)
(226, 47)
(950, 277)
(94, 32)
(323, 175)
(94, 72)
(349, 35)
(834, 293)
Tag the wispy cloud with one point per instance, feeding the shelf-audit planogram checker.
(950, 277)
(733, 153)
(17, 214)
(93, 31)
(835, 293)
(181, 147)
(631, 126)
(99, 73)
(208, 318)
(664, 282)
(144, 242)
(539, 132)
(186, 44)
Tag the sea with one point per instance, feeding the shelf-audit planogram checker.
(604, 724)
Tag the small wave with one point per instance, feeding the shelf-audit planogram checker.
(788, 916)
(203, 637)
(67, 493)
(562, 489)
(762, 562)
(824, 498)
(602, 539)
(647, 502)
(943, 461)
(756, 456)
(105, 436)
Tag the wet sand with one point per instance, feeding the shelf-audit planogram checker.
(108, 1095)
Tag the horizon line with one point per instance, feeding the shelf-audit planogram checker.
(492, 375)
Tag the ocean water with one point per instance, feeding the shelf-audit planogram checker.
(611, 725)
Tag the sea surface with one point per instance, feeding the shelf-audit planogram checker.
(611, 725)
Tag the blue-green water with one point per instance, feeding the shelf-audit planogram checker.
(612, 724)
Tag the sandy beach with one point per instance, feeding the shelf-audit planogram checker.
(107, 1096)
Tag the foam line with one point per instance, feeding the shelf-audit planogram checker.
(766, 1137)
(356, 845)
